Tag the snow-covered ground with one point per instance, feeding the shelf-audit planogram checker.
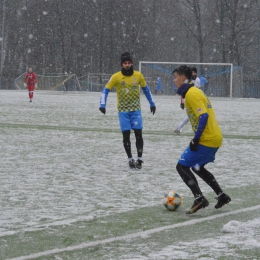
(67, 193)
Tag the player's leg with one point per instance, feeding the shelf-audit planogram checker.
(190, 180)
(31, 89)
(206, 155)
(125, 126)
(127, 146)
(209, 178)
(137, 126)
(139, 146)
(127, 143)
(187, 160)
(139, 142)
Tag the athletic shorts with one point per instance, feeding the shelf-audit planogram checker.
(130, 120)
(201, 157)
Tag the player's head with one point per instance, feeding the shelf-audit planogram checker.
(182, 75)
(194, 72)
(30, 70)
(126, 59)
(127, 64)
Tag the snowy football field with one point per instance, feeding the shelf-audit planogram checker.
(66, 191)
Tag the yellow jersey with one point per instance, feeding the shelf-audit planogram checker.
(197, 103)
(127, 90)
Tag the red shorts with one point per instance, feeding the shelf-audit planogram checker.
(30, 88)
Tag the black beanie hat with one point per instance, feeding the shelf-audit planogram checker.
(126, 57)
(194, 69)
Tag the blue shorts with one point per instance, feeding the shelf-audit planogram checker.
(130, 120)
(201, 157)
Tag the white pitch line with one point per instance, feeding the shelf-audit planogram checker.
(131, 236)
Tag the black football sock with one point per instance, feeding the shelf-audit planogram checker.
(139, 142)
(209, 178)
(127, 143)
(190, 179)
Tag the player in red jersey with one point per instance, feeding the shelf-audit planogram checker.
(30, 81)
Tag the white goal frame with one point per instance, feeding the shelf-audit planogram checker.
(192, 63)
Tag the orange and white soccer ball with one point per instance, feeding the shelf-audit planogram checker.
(172, 200)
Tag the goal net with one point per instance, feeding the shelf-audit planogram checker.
(58, 82)
(224, 79)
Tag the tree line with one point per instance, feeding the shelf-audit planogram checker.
(75, 36)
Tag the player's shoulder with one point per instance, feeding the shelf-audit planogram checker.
(193, 92)
(117, 75)
(114, 80)
(137, 73)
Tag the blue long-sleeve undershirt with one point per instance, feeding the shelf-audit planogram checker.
(203, 119)
(103, 98)
(148, 95)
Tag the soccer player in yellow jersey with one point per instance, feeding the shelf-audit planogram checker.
(127, 83)
(206, 142)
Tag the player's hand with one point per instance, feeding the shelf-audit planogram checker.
(36, 85)
(182, 105)
(103, 110)
(153, 109)
(194, 144)
(177, 131)
(25, 85)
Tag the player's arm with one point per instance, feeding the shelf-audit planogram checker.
(147, 94)
(201, 112)
(198, 82)
(25, 81)
(149, 97)
(203, 119)
(35, 81)
(182, 103)
(103, 100)
(182, 124)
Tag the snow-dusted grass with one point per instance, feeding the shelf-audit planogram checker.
(65, 181)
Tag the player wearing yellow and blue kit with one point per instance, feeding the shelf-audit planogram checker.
(127, 83)
(206, 142)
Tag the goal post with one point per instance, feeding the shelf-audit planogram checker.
(222, 77)
(51, 82)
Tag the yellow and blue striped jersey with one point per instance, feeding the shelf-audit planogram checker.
(197, 103)
(127, 89)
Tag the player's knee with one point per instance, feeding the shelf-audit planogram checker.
(126, 137)
(178, 165)
(181, 169)
(198, 169)
(138, 136)
(138, 133)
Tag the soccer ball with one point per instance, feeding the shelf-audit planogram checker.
(172, 200)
